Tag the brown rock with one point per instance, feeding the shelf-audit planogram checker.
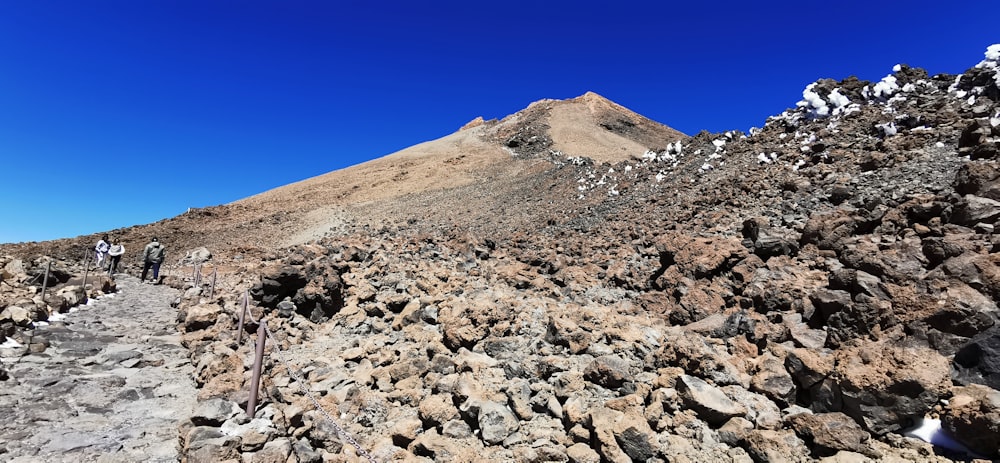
(832, 432)
(783, 446)
(700, 257)
(438, 448)
(437, 409)
(973, 418)
(582, 453)
(201, 316)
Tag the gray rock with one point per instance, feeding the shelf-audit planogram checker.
(975, 209)
(496, 422)
(609, 371)
(305, 452)
(456, 429)
(711, 404)
(19, 315)
(276, 451)
(214, 412)
(773, 380)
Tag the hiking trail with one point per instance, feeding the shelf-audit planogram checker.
(113, 385)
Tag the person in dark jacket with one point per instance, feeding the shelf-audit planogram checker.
(152, 256)
(115, 253)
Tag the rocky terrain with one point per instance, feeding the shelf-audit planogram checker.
(576, 283)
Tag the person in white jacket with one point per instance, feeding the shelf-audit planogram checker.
(115, 253)
(100, 250)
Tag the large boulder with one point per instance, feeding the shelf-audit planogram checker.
(698, 256)
(196, 256)
(885, 387)
(315, 288)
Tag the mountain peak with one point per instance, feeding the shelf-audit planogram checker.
(589, 126)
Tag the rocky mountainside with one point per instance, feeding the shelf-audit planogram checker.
(578, 283)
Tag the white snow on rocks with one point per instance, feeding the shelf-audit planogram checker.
(887, 129)
(992, 61)
(884, 89)
(817, 107)
(813, 103)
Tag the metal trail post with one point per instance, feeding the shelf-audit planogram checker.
(86, 270)
(211, 290)
(258, 361)
(45, 281)
(243, 315)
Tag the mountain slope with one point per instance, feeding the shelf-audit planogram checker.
(810, 289)
(471, 170)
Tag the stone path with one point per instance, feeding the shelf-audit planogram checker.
(112, 386)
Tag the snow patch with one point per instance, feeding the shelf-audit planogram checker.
(929, 430)
(887, 129)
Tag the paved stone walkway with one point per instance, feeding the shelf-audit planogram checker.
(113, 385)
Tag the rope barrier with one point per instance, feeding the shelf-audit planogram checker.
(302, 387)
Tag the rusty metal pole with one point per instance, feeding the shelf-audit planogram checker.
(86, 270)
(258, 361)
(243, 315)
(211, 290)
(45, 281)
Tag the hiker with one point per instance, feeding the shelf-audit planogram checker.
(100, 250)
(152, 256)
(115, 254)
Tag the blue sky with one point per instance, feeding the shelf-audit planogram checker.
(119, 113)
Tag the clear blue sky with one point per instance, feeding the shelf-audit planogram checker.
(119, 113)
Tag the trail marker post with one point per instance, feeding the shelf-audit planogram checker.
(243, 315)
(45, 281)
(211, 290)
(258, 361)
(86, 269)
